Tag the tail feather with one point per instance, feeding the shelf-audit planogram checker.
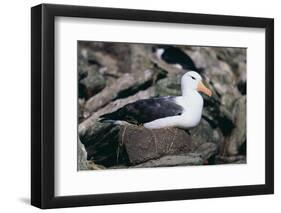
(108, 118)
(105, 120)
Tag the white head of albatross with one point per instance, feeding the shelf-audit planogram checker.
(192, 81)
(162, 112)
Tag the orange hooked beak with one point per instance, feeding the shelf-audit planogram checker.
(202, 88)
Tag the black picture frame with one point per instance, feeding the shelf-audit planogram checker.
(43, 102)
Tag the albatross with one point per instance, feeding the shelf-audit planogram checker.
(175, 56)
(183, 111)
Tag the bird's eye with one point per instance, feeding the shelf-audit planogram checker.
(192, 77)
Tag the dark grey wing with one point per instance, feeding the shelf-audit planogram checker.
(146, 110)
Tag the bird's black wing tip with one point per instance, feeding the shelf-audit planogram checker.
(107, 118)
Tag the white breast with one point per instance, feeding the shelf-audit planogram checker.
(190, 117)
(193, 106)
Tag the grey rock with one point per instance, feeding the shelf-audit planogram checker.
(237, 159)
(123, 87)
(111, 145)
(101, 143)
(112, 106)
(207, 150)
(227, 101)
(217, 67)
(173, 160)
(203, 133)
(143, 144)
(236, 58)
(238, 135)
(93, 166)
(93, 83)
(206, 57)
(217, 115)
(169, 86)
(81, 102)
(82, 157)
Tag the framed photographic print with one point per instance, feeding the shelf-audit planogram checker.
(140, 106)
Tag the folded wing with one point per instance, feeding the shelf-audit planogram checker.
(146, 110)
